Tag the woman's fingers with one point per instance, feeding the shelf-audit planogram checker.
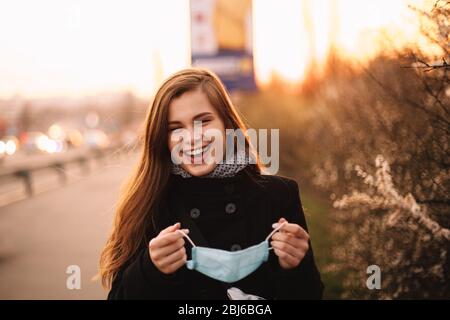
(281, 220)
(290, 244)
(167, 250)
(296, 230)
(166, 239)
(173, 258)
(176, 265)
(293, 228)
(296, 252)
(286, 260)
(171, 228)
(161, 252)
(290, 239)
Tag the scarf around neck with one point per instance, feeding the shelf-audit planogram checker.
(222, 170)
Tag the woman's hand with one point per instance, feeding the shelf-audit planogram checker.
(167, 250)
(290, 244)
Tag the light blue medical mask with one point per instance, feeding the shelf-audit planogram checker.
(229, 266)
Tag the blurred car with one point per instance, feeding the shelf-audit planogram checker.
(8, 146)
(32, 141)
(96, 139)
(36, 141)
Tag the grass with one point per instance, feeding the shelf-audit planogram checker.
(318, 211)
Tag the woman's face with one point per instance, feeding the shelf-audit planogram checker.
(196, 133)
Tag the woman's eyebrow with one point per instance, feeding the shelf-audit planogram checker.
(196, 117)
(200, 115)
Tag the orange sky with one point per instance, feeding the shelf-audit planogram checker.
(62, 47)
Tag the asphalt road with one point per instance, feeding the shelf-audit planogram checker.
(43, 235)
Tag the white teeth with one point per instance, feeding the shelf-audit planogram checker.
(194, 152)
(197, 151)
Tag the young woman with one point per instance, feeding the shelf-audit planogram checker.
(169, 207)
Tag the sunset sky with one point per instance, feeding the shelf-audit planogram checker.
(62, 47)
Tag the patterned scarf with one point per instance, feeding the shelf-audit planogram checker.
(222, 170)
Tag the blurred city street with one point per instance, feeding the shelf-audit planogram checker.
(42, 235)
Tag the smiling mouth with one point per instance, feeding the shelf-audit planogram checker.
(198, 151)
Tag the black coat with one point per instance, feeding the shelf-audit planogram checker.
(231, 213)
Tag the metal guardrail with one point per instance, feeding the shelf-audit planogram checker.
(56, 162)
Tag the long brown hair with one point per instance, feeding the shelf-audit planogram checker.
(142, 193)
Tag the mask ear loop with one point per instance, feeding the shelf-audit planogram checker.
(273, 232)
(187, 237)
(192, 243)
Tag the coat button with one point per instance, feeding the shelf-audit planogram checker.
(235, 247)
(194, 213)
(230, 208)
(229, 188)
